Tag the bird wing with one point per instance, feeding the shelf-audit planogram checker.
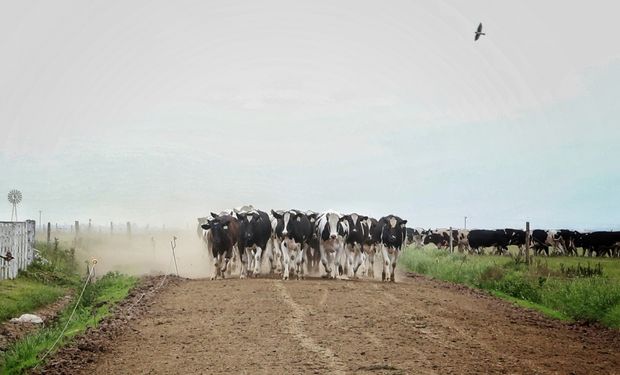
(477, 36)
(480, 27)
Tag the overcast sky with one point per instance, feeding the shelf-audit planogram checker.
(161, 111)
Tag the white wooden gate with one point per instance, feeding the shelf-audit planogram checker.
(16, 241)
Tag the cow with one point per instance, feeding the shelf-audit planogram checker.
(357, 235)
(295, 234)
(372, 241)
(516, 237)
(602, 243)
(571, 240)
(542, 239)
(222, 236)
(441, 238)
(254, 233)
(313, 254)
(478, 239)
(331, 230)
(415, 236)
(393, 232)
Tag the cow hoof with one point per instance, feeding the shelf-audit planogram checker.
(242, 276)
(284, 277)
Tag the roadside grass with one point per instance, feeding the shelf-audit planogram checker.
(546, 285)
(95, 305)
(25, 295)
(42, 283)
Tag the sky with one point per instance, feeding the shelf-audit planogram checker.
(158, 112)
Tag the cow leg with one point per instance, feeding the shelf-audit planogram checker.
(337, 266)
(299, 262)
(394, 260)
(286, 259)
(349, 254)
(257, 261)
(357, 261)
(245, 262)
(371, 262)
(328, 269)
(216, 268)
(386, 263)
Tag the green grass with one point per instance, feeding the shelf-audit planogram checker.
(541, 286)
(95, 305)
(42, 283)
(24, 295)
(532, 305)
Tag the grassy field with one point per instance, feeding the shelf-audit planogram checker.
(570, 288)
(44, 282)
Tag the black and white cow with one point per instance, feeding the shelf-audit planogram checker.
(571, 240)
(415, 236)
(516, 237)
(222, 236)
(357, 234)
(254, 233)
(295, 234)
(393, 232)
(313, 254)
(478, 239)
(373, 240)
(602, 243)
(542, 239)
(331, 229)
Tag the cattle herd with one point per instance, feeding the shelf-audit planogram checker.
(562, 242)
(296, 242)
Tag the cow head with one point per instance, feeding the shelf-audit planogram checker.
(222, 228)
(287, 217)
(331, 225)
(248, 222)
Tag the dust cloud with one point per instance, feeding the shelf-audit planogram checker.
(147, 253)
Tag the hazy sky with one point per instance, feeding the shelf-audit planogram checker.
(158, 112)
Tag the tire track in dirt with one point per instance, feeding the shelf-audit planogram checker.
(296, 328)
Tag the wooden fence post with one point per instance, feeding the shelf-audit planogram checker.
(49, 232)
(527, 242)
(451, 244)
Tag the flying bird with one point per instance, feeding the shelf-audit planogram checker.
(479, 32)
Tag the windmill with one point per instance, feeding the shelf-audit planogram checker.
(15, 196)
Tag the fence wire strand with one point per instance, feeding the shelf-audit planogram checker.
(62, 333)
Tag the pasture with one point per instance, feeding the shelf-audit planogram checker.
(573, 288)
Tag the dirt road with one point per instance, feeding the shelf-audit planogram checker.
(417, 326)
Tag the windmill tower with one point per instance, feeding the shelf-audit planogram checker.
(15, 197)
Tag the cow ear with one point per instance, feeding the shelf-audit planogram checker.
(206, 226)
(363, 217)
(403, 222)
(214, 215)
(276, 215)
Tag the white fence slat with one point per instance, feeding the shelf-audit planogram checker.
(18, 238)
